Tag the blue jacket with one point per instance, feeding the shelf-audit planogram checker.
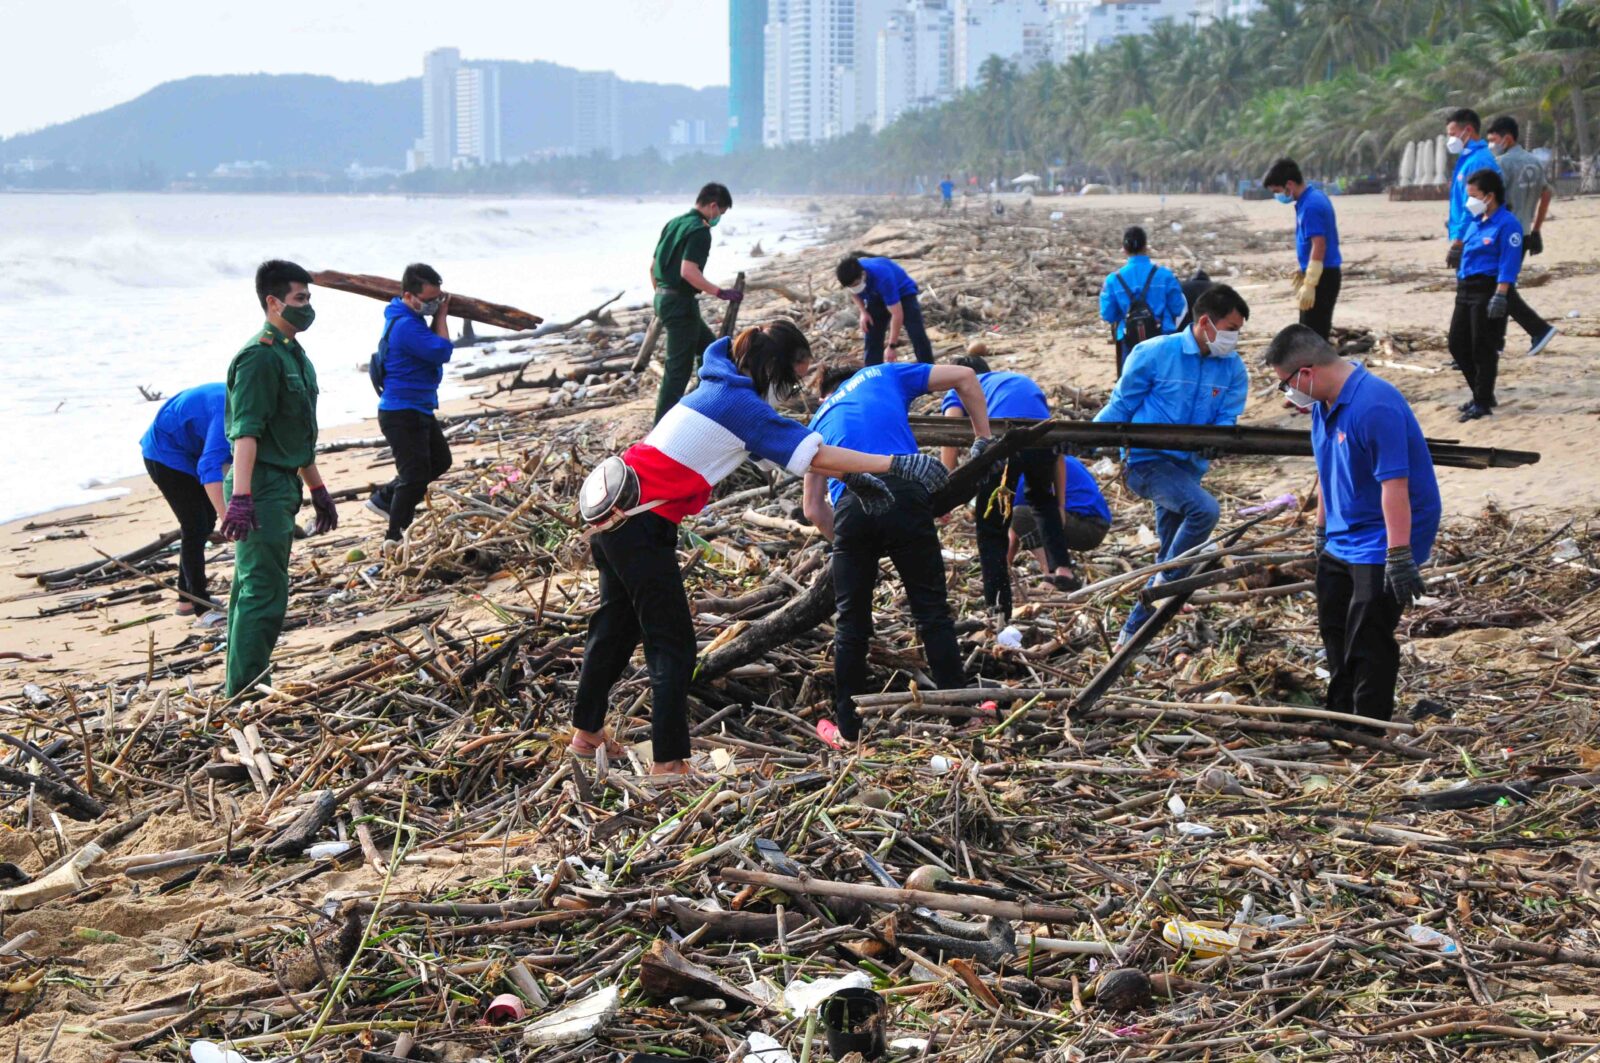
(1493, 246)
(1474, 157)
(415, 361)
(190, 433)
(1165, 295)
(1168, 381)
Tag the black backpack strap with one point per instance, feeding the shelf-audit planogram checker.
(1148, 278)
(1126, 290)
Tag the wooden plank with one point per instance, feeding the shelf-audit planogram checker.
(462, 306)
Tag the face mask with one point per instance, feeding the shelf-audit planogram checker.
(1498, 149)
(429, 306)
(1476, 206)
(713, 221)
(1301, 400)
(300, 317)
(858, 287)
(1225, 343)
(1454, 145)
(1283, 197)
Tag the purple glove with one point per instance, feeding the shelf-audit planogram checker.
(732, 295)
(327, 513)
(240, 519)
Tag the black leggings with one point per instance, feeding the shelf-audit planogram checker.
(993, 520)
(196, 519)
(421, 456)
(1319, 318)
(1476, 338)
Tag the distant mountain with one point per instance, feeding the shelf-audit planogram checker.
(305, 121)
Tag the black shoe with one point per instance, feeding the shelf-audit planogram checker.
(1543, 341)
(1454, 365)
(1473, 412)
(1465, 406)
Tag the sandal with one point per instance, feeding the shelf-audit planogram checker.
(586, 748)
(828, 731)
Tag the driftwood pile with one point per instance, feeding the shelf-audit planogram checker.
(1199, 865)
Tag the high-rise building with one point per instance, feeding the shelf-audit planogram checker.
(775, 75)
(478, 114)
(1018, 31)
(871, 16)
(595, 112)
(438, 144)
(1206, 12)
(747, 24)
(913, 59)
(1084, 25)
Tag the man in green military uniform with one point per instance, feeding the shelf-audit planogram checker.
(272, 421)
(675, 273)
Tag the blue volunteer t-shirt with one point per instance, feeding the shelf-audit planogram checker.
(1313, 216)
(947, 189)
(868, 412)
(886, 281)
(1083, 495)
(1006, 395)
(1370, 435)
(190, 435)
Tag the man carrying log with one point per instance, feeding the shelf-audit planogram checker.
(1194, 377)
(185, 452)
(1377, 513)
(676, 274)
(407, 370)
(865, 409)
(272, 421)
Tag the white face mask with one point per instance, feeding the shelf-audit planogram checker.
(1454, 145)
(858, 287)
(1476, 206)
(1301, 400)
(1225, 343)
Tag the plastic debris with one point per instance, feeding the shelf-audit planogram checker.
(327, 850)
(211, 1052)
(765, 1049)
(1009, 638)
(801, 997)
(1429, 938)
(575, 1022)
(1197, 938)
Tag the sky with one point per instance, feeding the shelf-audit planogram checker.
(88, 55)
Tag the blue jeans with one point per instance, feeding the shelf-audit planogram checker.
(1185, 516)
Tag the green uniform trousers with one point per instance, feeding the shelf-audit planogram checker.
(688, 336)
(260, 594)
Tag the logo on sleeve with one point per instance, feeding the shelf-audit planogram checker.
(1516, 239)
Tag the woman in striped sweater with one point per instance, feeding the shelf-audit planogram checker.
(699, 442)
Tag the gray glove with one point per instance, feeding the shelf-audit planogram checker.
(920, 469)
(874, 495)
(1401, 577)
(1452, 257)
(979, 445)
(1497, 305)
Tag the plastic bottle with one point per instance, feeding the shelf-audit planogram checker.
(1429, 938)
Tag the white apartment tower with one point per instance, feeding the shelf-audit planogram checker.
(438, 144)
(775, 75)
(478, 114)
(595, 113)
(914, 52)
(1018, 31)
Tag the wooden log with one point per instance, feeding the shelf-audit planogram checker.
(651, 336)
(949, 902)
(664, 973)
(464, 307)
(60, 575)
(730, 320)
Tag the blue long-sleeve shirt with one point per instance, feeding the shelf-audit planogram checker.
(1165, 295)
(1168, 381)
(190, 433)
(1474, 157)
(1493, 245)
(414, 362)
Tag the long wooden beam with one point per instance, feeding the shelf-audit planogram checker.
(463, 306)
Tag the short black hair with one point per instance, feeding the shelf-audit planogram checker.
(1296, 346)
(1465, 116)
(1218, 301)
(1281, 173)
(715, 193)
(849, 269)
(1134, 239)
(975, 362)
(829, 377)
(275, 276)
(1505, 126)
(417, 276)
(1487, 180)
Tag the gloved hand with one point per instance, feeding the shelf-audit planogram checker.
(920, 469)
(327, 512)
(874, 495)
(240, 520)
(1452, 257)
(1534, 242)
(1306, 294)
(980, 445)
(1322, 539)
(1401, 577)
(732, 295)
(1497, 305)
(1298, 279)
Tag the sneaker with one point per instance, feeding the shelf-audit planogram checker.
(1543, 341)
(377, 506)
(1473, 412)
(213, 618)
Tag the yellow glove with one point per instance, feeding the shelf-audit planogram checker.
(1297, 280)
(1306, 294)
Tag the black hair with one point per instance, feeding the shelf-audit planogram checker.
(1282, 172)
(849, 270)
(975, 362)
(1218, 301)
(768, 354)
(1465, 116)
(1490, 181)
(417, 276)
(1505, 126)
(829, 377)
(274, 277)
(1297, 346)
(715, 193)
(1134, 240)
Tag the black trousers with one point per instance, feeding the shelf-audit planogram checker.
(1357, 618)
(993, 520)
(914, 328)
(1084, 531)
(1319, 318)
(906, 536)
(641, 594)
(1524, 315)
(421, 456)
(196, 520)
(1476, 338)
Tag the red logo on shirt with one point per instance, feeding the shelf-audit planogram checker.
(1215, 392)
(1340, 435)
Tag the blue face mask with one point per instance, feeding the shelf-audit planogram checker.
(1283, 197)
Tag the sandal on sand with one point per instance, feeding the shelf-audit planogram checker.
(585, 748)
(184, 609)
(828, 731)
